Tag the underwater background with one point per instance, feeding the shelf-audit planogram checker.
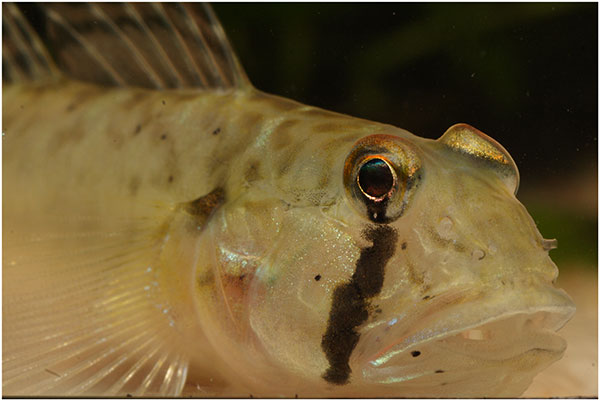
(525, 74)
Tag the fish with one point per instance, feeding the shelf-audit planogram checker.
(170, 230)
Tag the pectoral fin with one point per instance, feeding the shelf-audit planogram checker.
(84, 312)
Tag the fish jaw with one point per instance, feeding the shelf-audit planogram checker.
(465, 343)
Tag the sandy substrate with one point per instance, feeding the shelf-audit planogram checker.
(576, 374)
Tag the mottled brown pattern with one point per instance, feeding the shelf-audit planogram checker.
(134, 185)
(80, 98)
(252, 172)
(202, 207)
(252, 119)
(282, 137)
(414, 276)
(64, 137)
(333, 127)
(275, 103)
(135, 99)
(458, 247)
(286, 160)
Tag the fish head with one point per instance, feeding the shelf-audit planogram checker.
(418, 273)
(467, 304)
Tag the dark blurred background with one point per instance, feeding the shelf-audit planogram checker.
(525, 74)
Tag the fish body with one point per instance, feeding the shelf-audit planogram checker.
(211, 239)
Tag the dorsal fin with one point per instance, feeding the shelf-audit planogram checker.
(24, 58)
(151, 45)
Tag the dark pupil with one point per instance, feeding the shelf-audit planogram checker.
(375, 178)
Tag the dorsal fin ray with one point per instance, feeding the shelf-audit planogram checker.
(150, 45)
(24, 58)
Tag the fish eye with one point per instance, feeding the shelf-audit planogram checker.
(376, 178)
(381, 175)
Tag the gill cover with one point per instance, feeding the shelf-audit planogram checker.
(464, 139)
(380, 176)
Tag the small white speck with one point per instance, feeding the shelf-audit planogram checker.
(165, 311)
(149, 269)
(393, 322)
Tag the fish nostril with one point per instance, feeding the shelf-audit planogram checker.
(478, 254)
(445, 227)
(549, 244)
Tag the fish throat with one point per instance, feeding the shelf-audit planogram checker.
(351, 301)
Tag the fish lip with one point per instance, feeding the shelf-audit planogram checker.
(400, 334)
(468, 332)
(392, 367)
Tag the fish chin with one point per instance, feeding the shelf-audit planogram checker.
(495, 356)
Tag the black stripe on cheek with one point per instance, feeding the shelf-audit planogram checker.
(350, 302)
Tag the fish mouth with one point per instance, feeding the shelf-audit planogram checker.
(454, 350)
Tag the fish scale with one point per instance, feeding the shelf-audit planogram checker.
(170, 230)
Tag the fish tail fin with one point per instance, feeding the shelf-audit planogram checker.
(150, 45)
(24, 57)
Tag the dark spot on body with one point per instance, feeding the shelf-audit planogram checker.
(252, 172)
(216, 131)
(138, 129)
(439, 371)
(443, 384)
(378, 310)
(415, 353)
(295, 395)
(242, 276)
(70, 107)
(129, 395)
(205, 278)
(350, 302)
(171, 178)
(426, 297)
(22, 107)
(317, 277)
(203, 207)
(403, 246)
(163, 102)
(163, 137)
(52, 372)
